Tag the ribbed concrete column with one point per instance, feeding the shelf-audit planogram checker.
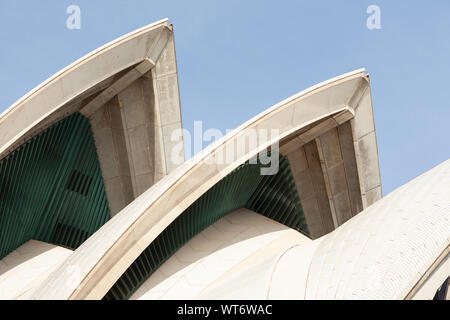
(134, 129)
(137, 106)
(124, 133)
(341, 173)
(168, 106)
(365, 144)
(133, 132)
(110, 141)
(309, 180)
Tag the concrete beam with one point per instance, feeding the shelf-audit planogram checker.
(119, 242)
(365, 145)
(142, 68)
(119, 85)
(350, 167)
(129, 134)
(310, 183)
(333, 140)
(340, 172)
(168, 106)
(133, 129)
(139, 118)
(110, 140)
(316, 131)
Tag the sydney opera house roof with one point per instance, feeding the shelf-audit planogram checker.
(95, 204)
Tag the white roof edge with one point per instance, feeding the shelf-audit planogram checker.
(73, 64)
(300, 94)
(124, 222)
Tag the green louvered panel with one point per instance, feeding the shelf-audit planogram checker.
(277, 198)
(244, 187)
(51, 188)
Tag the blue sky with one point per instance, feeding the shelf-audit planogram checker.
(237, 58)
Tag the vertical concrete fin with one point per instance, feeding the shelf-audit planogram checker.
(339, 167)
(309, 180)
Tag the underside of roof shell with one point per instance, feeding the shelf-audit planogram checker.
(310, 123)
(86, 142)
(128, 89)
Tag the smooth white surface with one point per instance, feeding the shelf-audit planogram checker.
(27, 267)
(223, 249)
(104, 257)
(384, 252)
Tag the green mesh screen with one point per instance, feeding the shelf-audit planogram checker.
(51, 188)
(273, 196)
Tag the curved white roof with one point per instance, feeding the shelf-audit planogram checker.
(104, 257)
(223, 250)
(30, 114)
(398, 248)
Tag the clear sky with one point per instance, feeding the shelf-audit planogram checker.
(238, 57)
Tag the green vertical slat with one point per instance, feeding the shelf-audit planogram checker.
(78, 204)
(56, 207)
(36, 203)
(274, 196)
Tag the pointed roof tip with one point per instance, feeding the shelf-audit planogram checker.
(359, 70)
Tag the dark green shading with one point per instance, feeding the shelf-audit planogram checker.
(51, 188)
(274, 196)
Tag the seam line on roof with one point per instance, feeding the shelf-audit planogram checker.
(378, 185)
(363, 136)
(427, 274)
(275, 267)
